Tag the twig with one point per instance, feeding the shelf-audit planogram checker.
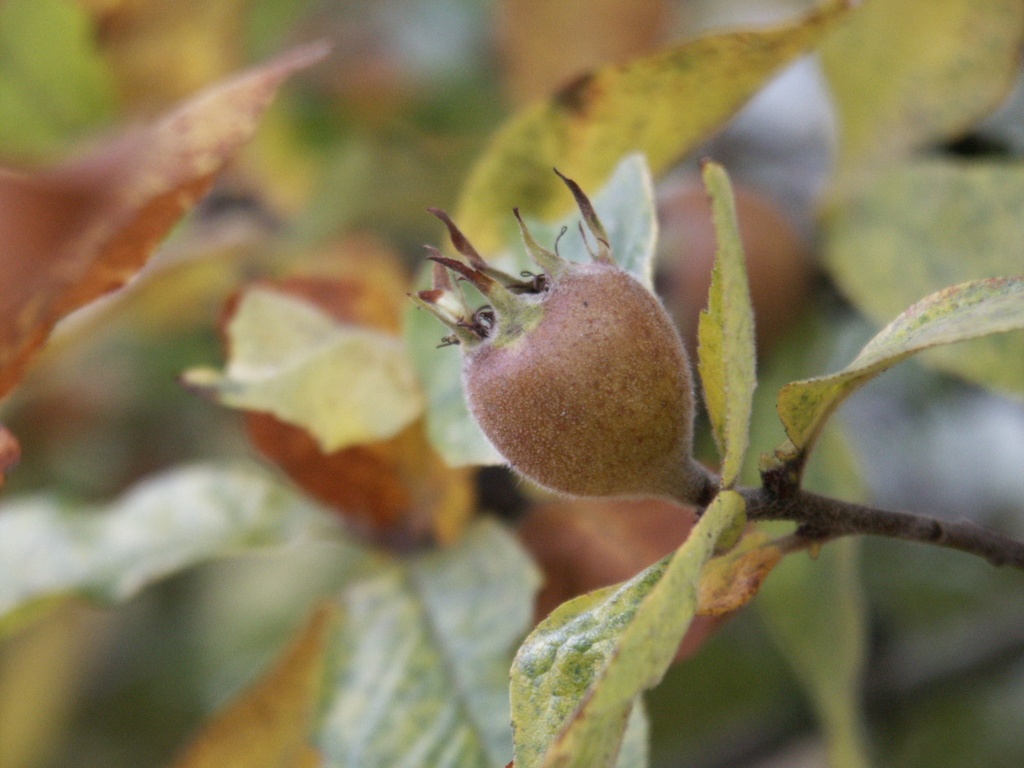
(821, 519)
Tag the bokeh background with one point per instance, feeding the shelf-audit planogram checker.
(345, 163)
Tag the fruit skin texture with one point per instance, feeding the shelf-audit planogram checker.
(595, 399)
(577, 376)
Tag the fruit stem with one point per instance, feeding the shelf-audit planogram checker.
(822, 518)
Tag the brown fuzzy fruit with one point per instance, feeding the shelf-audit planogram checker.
(577, 377)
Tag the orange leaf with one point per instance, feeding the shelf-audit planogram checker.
(730, 581)
(397, 491)
(269, 725)
(74, 232)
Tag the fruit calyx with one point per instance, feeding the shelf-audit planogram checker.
(513, 302)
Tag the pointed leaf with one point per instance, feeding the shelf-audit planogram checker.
(344, 384)
(915, 72)
(420, 668)
(578, 674)
(923, 226)
(269, 725)
(72, 233)
(626, 208)
(958, 313)
(726, 333)
(663, 105)
(49, 551)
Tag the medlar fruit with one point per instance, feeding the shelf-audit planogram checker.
(576, 375)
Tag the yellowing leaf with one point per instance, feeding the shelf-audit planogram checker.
(544, 43)
(345, 384)
(202, 37)
(72, 233)
(925, 225)
(586, 544)
(912, 72)
(578, 674)
(958, 313)
(42, 673)
(663, 105)
(726, 333)
(730, 581)
(269, 725)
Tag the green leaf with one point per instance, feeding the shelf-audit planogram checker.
(820, 594)
(635, 750)
(926, 225)
(626, 208)
(48, 99)
(343, 384)
(958, 313)
(815, 611)
(664, 105)
(420, 667)
(579, 673)
(909, 73)
(50, 551)
(726, 333)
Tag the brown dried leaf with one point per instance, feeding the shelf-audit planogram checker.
(74, 232)
(664, 105)
(269, 725)
(396, 490)
(585, 544)
(730, 581)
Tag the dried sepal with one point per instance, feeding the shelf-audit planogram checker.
(552, 264)
(604, 250)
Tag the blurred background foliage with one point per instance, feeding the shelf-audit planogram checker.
(344, 163)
